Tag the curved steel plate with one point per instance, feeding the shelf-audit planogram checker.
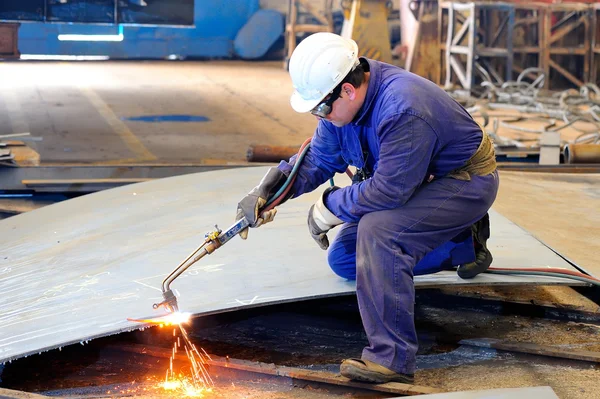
(78, 269)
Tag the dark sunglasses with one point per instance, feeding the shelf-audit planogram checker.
(325, 107)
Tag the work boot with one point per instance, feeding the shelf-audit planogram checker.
(367, 371)
(483, 256)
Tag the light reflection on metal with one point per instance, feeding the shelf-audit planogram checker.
(93, 38)
(47, 57)
(90, 38)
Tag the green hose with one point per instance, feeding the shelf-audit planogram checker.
(290, 177)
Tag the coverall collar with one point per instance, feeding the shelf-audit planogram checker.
(374, 83)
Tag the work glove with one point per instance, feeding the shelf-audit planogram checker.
(321, 220)
(250, 206)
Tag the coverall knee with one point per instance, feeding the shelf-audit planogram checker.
(341, 256)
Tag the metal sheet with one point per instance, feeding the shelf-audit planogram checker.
(76, 270)
(506, 393)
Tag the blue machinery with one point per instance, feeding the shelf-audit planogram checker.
(215, 26)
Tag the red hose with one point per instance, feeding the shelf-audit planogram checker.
(289, 187)
(547, 270)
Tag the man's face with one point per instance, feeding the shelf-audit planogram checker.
(339, 115)
(343, 108)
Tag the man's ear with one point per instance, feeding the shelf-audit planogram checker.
(349, 90)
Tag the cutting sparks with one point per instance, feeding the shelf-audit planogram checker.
(192, 380)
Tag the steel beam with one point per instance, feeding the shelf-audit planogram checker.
(83, 178)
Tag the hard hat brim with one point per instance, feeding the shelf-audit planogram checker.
(301, 105)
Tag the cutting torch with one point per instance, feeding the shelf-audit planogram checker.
(212, 241)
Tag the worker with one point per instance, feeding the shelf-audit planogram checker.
(426, 178)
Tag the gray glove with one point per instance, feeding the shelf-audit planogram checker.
(321, 220)
(256, 199)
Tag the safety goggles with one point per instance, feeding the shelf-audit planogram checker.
(325, 107)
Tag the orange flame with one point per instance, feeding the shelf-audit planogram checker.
(170, 319)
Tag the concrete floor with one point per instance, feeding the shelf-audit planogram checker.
(79, 109)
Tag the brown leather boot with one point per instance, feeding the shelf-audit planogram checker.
(483, 256)
(367, 371)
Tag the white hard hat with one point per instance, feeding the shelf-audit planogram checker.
(318, 64)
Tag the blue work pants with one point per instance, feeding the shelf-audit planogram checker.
(383, 249)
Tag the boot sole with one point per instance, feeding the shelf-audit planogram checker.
(359, 374)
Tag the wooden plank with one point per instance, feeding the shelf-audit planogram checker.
(568, 51)
(566, 29)
(308, 28)
(5, 136)
(533, 349)
(284, 371)
(564, 72)
(25, 156)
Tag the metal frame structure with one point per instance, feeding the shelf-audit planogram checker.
(567, 34)
(475, 30)
(293, 27)
(528, 37)
(595, 46)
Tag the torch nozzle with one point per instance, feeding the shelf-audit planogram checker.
(170, 302)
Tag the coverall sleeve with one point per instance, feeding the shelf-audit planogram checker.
(407, 144)
(322, 160)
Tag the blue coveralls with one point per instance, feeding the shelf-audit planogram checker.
(407, 129)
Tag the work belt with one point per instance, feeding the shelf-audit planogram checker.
(482, 163)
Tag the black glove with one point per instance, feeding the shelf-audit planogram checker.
(321, 220)
(251, 204)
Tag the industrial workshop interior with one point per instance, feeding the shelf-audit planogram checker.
(299, 199)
